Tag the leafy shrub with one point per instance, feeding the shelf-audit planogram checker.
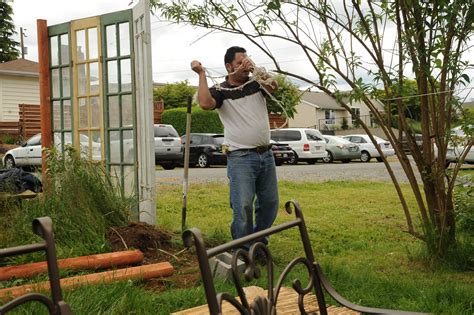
(201, 120)
(174, 95)
(288, 96)
(83, 203)
(464, 207)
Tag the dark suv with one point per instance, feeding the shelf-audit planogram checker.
(205, 149)
(168, 147)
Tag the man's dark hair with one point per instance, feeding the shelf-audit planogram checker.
(230, 53)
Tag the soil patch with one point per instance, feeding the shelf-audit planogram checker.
(158, 245)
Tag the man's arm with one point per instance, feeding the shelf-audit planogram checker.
(204, 97)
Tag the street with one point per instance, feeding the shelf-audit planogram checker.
(319, 172)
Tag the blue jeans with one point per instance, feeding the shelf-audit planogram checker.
(252, 179)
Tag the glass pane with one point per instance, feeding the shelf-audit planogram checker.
(124, 39)
(81, 79)
(96, 145)
(111, 38)
(57, 141)
(114, 138)
(64, 49)
(128, 148)
(84, 144)
(94, 78)
(93, 44)
(57, 115)
(67, 139)
(54, 50)
(116, 175)
(81, 45)
(112, 76)
(127, 111)
(67, 114)
(83, 113)
(114, 112)
(66, 82)
(126, 75)
(55, 82)
(95, 112)
(129, 180)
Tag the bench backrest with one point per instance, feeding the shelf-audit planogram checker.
(44, 228)
(252, 271)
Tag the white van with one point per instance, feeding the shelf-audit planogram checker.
(307, 143)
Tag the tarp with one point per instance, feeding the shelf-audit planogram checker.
(16, 180)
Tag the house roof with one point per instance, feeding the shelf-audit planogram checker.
(20, 67)
(323, 101)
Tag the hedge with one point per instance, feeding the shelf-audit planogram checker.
(201, 120)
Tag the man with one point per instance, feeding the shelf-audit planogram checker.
(250, 164)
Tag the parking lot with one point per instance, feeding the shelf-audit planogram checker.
(318, 172)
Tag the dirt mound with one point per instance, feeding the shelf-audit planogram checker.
(138, 235)
(157, 245)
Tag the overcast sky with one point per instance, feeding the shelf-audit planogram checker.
(174, 46)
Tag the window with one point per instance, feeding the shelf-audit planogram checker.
(330, 117)
(286, 135)
(196, 139)
(313, 135)
(164, 131)
(355, 113)
(36, 140)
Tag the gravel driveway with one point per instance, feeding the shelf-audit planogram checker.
(302, 172)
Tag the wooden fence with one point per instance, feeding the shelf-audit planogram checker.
(30, 120)
(158, 108)
(28, 124)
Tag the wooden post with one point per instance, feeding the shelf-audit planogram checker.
(45, 97)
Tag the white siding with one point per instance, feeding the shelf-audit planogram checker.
(14, 91)
(305, 116)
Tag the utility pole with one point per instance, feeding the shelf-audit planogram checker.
(23, 48)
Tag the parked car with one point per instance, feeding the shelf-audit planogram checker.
(282, 152)
(339, 149)
(168, 146)
(29, 153)
(457, 145)
(205, 149)
(308, 144)
(367, 148)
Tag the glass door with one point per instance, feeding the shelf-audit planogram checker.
(88, 104)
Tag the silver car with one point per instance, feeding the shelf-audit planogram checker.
(168, 146)
(340, 149)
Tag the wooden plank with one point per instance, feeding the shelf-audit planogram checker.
(162, 269)
(287, 304)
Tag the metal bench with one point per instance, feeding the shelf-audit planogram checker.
(267, 303)
(44, 228)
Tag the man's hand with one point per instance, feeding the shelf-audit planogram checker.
(247, 65)
(197, 67)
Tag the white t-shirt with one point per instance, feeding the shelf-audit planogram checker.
(244, 116)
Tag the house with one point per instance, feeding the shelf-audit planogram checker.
(321, 111)
(19, 84)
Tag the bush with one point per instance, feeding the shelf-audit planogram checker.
(84, 203)
(174, 95)
(464, 207)
(201, 120)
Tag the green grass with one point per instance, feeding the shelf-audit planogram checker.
(357, 234)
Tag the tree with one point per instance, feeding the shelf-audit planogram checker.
(285, 98)
(8, 47)
(174, 95)
(367, 45)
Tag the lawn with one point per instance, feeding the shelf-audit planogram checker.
(357, 233)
